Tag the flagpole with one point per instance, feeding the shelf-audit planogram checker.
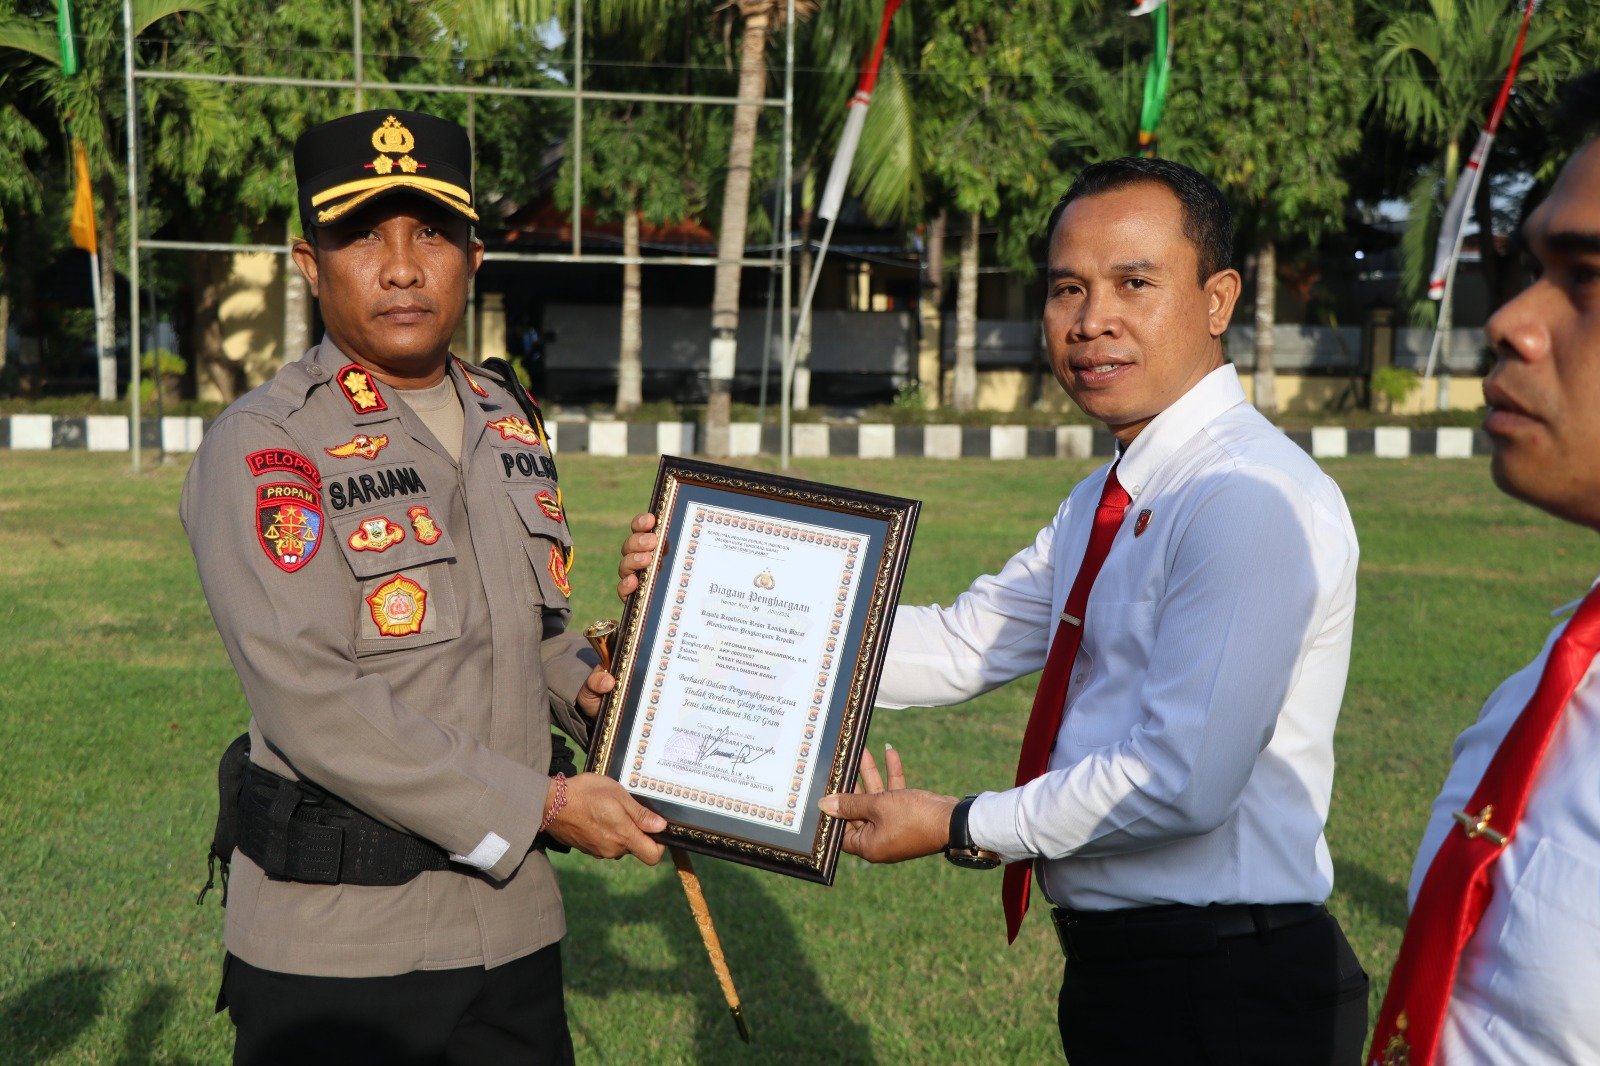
(133, 237)
(1453, 227)
(832, 200)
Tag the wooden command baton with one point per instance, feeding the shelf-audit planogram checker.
(602, 636)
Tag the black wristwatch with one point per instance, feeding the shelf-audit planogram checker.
(961, 850)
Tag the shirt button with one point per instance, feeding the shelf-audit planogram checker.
(1135, 490)
(1077, 679)
(317, 372)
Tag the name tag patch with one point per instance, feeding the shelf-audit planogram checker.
(367, 488)
(528, 465)
(398, 606)
(288, 524)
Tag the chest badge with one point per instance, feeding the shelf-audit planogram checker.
(360, 444)
(288, 524)
(513, 428)
(423, 526)
(376, 535)
(559, 563)
(359, 389)
(1141, 523)
(550, 505)
(398, 606)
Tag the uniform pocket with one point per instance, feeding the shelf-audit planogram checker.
(403, 559)
(549, 542)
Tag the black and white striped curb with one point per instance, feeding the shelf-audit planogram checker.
(811, 440)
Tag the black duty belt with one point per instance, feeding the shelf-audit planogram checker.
(296, 831)
(1171, 931)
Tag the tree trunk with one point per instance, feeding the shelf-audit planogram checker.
(735, 218)
(5, 329)
(296, 305)
(630, 368)
(1266, 316)
(930, 309)
(966, 373)
(219, 378)
(105, 325)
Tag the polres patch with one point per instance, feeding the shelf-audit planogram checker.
(270, 459)
(423, 527)
(288, 523)
(359, 388)
(560, 561)
(376, 535)
(398, 606)
(360, 444)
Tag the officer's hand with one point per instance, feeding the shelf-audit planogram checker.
(593, 692)
(636, 553)
(602, 820)
(890, 825)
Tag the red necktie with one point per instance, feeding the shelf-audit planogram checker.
(1050, 701)
(1457, 888)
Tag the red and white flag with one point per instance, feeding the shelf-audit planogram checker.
(855, 119)
(1455, 216)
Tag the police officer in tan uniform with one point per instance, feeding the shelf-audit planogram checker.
(381, 538)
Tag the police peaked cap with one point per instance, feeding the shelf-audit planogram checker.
(353, 161)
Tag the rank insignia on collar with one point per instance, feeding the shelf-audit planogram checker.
(559, 563)
(550, 505)
(513, 428)
(288, 524)
(360, 390)
(423, 526)
(472, 383)
(1141, 523)
(360, 444)
(398, 606)
(376, 535)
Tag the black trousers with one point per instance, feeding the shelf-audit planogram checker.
(513, 1013)
(1281, 998)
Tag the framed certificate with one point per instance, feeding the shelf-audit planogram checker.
(748, 660)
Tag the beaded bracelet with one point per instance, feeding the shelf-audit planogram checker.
(558, 783)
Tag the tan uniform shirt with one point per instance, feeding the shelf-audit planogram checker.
(395, 618)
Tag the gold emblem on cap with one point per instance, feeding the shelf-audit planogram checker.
(393, 139)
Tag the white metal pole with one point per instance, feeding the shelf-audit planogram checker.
(133, 234)
(355, 33)
(786, 380)
(577, 127)
(105, 354)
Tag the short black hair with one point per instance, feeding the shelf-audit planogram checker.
(1207, 218)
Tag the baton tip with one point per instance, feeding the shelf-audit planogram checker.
(738, 1019)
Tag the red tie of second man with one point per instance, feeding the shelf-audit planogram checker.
(1050, 701)
(1457, 888)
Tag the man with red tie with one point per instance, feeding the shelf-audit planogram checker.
(1191, 606)
(1501, 958)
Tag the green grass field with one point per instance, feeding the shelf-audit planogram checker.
(116, 699)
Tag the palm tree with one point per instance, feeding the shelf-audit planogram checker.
(1438, 62)
(759, 20)
(81, 101)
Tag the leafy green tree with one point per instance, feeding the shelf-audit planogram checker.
(1438, 64)
(90, 101)
(984, 94)
(1267, 102)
